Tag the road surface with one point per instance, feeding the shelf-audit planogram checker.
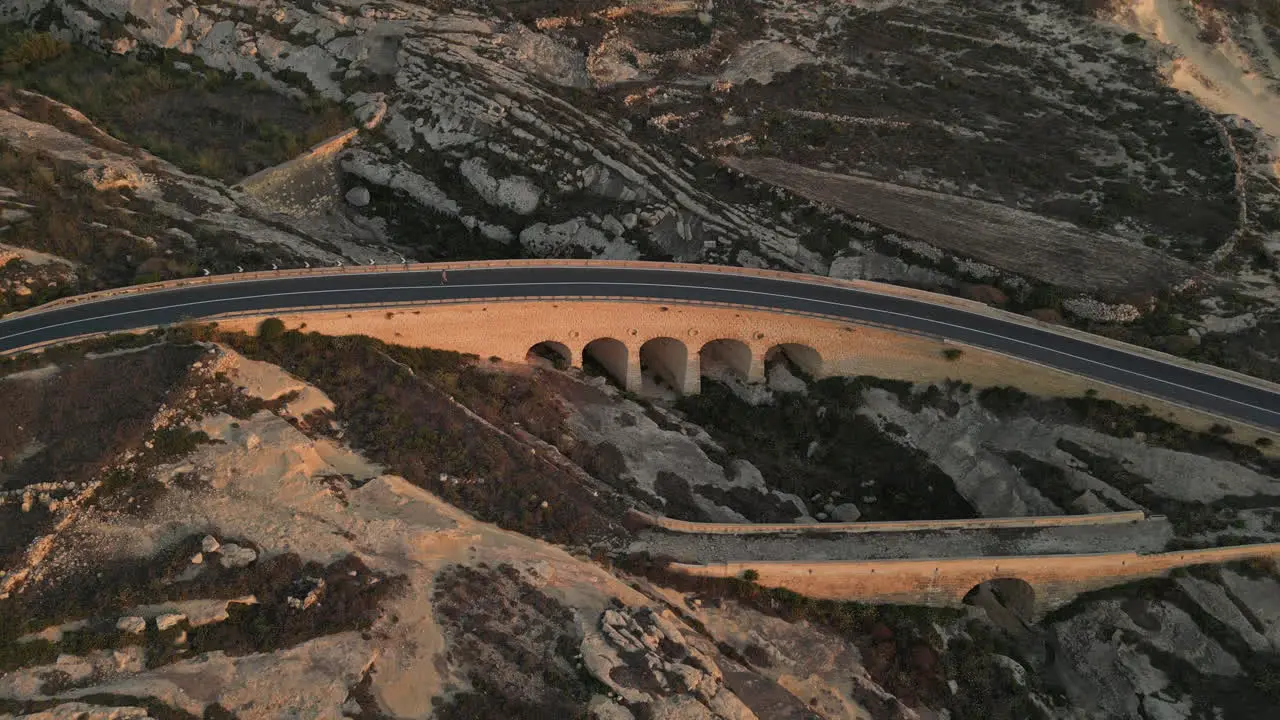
(1146, 374)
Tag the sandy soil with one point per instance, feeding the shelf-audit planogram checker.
(275, 487)
(1226, 78)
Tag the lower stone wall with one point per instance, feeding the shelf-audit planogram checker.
(705, 528)
(1056, 579)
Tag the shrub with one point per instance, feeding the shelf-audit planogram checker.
(33, 48)
(952, 354)
(1003, 400)
(750, 575)
(271, 329)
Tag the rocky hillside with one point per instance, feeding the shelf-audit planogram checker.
(191, 531)
(1108, 164)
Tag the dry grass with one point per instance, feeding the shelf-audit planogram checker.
(1030, 245)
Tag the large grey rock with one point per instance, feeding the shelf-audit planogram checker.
(236, 556)
(515, 193)
(631, 639)
(549, 59)
(762, 61)
(358, 196)
(846, 512)
(680, 235)
(563, 238)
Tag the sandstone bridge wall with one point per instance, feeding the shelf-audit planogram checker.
(1055, 579)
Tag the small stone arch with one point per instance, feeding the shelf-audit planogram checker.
(1012, 594)
(557, 353)
(803, 357)
(725, 353)
(610, 355)
(667, 359)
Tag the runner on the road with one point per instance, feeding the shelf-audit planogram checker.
(444, 276)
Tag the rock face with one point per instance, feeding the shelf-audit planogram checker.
(643, 657)
(462, 96)
(550, 60)
(763, 61)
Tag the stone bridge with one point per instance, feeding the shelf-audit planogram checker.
(637, 343)
(1030, 585)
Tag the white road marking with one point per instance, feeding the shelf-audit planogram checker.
(653, 285)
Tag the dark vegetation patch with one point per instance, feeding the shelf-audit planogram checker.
(1255, 351)
(1118, 420)
(67, 428)
(395, 403)
(429, 235)
(678, 498)
(752, 503)
(103, 230)
(853, 454)
(203, 120)
(517, 646)
(1048, 479)
(1026, 141)
(349, 597)
(900, 644)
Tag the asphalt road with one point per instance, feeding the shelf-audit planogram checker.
(1180, 384)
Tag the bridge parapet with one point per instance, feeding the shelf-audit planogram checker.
(1056, 579)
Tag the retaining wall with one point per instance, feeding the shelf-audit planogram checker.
(1056, 579)
(704, 528)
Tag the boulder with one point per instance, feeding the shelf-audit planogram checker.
(846, 512)
(358, 196)
(132, 624)
(549, 59)
(168, 620)
(763, 61)
(515, 193)
(236, 556)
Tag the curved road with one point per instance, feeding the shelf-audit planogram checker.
(1180, 384)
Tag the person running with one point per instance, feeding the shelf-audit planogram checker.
(444, 276)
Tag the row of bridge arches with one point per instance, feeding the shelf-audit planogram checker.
(672, 363)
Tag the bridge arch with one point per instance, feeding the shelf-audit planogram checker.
(611, 355)
(1010, 593)
(667, 359)
(734, 355)
(557, 353)
(802, 356)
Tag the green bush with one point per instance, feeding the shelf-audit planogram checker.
(750, 575)
(271, 329)
(952, 354)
